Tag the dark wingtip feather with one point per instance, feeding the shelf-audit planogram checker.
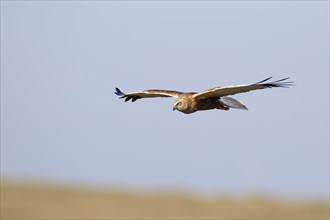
(279, 83)
(119, 93)
(281, 80)
(264, 80)
(127, 98)
(135, 98)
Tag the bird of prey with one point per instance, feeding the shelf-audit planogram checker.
(214, 98)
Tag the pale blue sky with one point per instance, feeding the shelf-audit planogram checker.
(60, 120)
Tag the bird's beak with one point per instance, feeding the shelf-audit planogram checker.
(174, 108)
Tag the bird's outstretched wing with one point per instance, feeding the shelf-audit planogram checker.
(152, 93)
(232, 90)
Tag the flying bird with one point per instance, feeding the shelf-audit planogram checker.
(214, 98)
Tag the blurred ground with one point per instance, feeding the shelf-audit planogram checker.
(40, 201)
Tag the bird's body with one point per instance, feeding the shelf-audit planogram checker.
(214, 98)
(191, 105)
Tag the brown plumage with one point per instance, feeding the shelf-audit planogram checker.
(214, 98)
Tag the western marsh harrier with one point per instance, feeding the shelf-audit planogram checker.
(214, 98)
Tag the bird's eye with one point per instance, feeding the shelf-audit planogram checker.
(178, 104)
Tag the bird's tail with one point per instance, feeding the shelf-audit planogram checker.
(232, 103)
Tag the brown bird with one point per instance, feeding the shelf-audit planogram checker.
(214, 98)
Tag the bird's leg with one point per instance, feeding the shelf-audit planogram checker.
(222, 106)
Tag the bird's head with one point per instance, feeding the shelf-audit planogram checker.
(180, 104)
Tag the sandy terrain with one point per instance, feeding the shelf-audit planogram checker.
(37, 201)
